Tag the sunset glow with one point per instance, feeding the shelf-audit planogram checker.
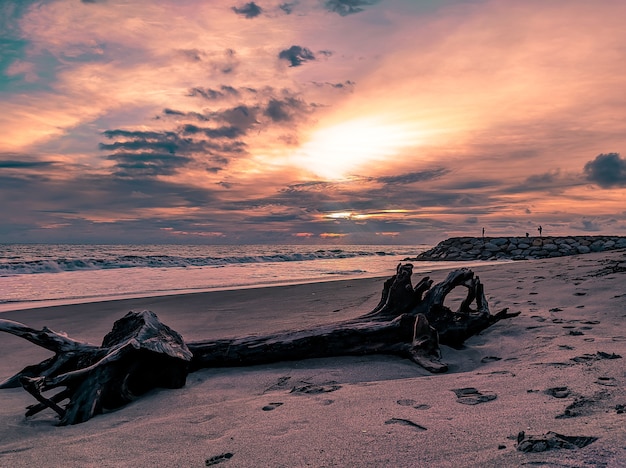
(314, 120)
(347, 148)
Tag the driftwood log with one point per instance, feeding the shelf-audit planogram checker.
(141, 353)
(138, 355)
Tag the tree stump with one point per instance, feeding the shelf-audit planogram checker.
(141, 353)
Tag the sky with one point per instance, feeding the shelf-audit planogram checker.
(310, 121)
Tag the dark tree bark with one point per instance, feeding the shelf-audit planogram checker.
(141, 353)
(403, 323)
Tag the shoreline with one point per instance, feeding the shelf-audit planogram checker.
(50, 303)
(419, 268)
(197, 304)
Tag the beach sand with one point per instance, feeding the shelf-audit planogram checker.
(543, 368)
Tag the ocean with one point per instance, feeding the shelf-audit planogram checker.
(36, 275)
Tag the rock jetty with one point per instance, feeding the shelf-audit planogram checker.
(518, 248)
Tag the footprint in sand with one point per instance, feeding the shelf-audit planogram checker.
(314, 389)
(202, 419)
(422, 407)
(558, 392)
(406, 422)
(280, 384)
(471, 396)
(272, 406)
(607, 381)
(551, 441)
(413, 403)
(582, 405)
(596, 357)
(487, 359)
(218, 459)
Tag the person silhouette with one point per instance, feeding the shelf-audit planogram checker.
(540, 229)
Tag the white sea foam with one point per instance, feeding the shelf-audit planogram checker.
(33, 275)
(36, 258)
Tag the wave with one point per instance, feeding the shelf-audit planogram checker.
(57, 265)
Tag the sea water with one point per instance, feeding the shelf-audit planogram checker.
(34, 275)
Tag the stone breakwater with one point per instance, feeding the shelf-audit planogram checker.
(518, 248)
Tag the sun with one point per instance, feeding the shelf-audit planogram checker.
(342, 149)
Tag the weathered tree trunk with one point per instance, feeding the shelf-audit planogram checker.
(403, 323)
(141, 353)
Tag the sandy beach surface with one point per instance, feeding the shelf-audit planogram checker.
(553, 368)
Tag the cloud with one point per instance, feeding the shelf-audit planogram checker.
(481, 114)
(242, 116)
(286, 109)
(17, 164)
(547, 178)
(220, 61)
(267, 109)
(287, 7)
(412, 177)
(342, 86)
(606, 170)
(587, 225)
(149, 153)
(388, 234)
(229, 132)
(171, 230)
(249, 10)
(154, 141)
(296, 55)
(308, 186)
(347, 7)
(214, 94)
(552, 182)
(147, 164)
